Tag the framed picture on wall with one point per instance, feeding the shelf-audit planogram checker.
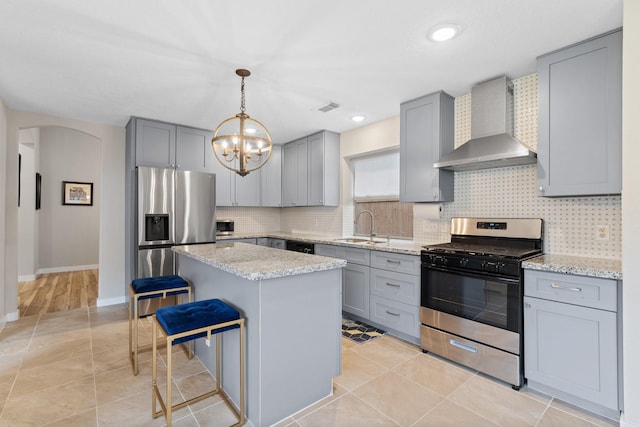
(77, 193)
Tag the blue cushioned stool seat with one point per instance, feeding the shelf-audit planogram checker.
(152, 287)
(195, 315)
(155, 284)
(186, 322)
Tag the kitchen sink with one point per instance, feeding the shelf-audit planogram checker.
(359, 240)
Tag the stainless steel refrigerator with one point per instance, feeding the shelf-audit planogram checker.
(175, 207)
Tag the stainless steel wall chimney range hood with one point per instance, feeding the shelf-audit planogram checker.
(492, 144)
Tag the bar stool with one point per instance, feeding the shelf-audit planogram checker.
(186, 322)
(146, 288)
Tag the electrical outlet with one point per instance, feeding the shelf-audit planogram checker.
(602, 232)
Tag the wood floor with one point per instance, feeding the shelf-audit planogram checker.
(58, 292)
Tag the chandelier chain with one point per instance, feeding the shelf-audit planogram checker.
(242, 96)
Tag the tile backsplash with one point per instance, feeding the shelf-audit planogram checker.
(251, 220)
(570, 224)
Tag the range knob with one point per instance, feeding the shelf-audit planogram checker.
(438, 260)
(493, 267)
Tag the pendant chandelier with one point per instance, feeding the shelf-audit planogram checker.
(241, 143)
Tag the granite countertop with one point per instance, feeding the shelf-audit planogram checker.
(394, 245)
(254, 262)
(582, 266)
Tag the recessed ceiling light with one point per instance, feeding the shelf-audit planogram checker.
(357, 118)
(444, 32)
(250, 131)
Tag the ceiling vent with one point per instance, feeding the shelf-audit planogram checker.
(328, 107)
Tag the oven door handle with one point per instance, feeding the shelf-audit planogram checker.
(475, 275)
(463, 346)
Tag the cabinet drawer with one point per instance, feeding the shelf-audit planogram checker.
(401, 263)
(353, 255)
(579, 290)
(396, 286)
(395, 315)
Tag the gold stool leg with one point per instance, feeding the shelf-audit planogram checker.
(190, 343)
(154, 367)
(242, 416)
(168, 401)
(135, 335)
(130, 327)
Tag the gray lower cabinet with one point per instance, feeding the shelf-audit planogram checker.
(382, 287)
(250, 240)
(355, 281)
(580, 118)
(311, 171)
(395, 292)
(355, 290)
(426, 133)
(271, 242)
(572, 339)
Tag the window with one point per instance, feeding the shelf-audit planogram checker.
(376, 187)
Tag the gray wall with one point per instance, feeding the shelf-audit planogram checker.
(27, 214)
(6, 291)
(68, 235)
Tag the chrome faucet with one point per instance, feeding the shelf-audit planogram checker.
(372, 230)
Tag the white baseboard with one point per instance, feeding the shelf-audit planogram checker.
(102, 302)
(625, 423)
(67, 268)
(27, 278)
(12, 317)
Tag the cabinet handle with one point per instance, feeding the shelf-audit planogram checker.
(393, 261)
(392, 313)
(463, 346)
(564, 288)
(395, 285)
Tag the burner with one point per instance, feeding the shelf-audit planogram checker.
(482, 250)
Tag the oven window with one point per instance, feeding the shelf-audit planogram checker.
(490, 301)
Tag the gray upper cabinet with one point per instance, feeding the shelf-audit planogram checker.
(155, 144)
(580, 118)
(426, 133)
(324, 164)
(271, 179)
(310, 172)
(247, 188)
(193, 150)
(165, 145)
(294, 173)
(235, 190)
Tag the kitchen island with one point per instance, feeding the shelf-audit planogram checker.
(292, 304)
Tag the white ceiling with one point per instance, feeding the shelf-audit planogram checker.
(106, 60)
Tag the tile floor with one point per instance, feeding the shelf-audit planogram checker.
(71, 369)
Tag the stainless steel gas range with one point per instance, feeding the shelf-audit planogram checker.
(471, 294)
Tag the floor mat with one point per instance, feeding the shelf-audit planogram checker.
(360, 332)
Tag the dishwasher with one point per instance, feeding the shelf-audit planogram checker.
(298, 246)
